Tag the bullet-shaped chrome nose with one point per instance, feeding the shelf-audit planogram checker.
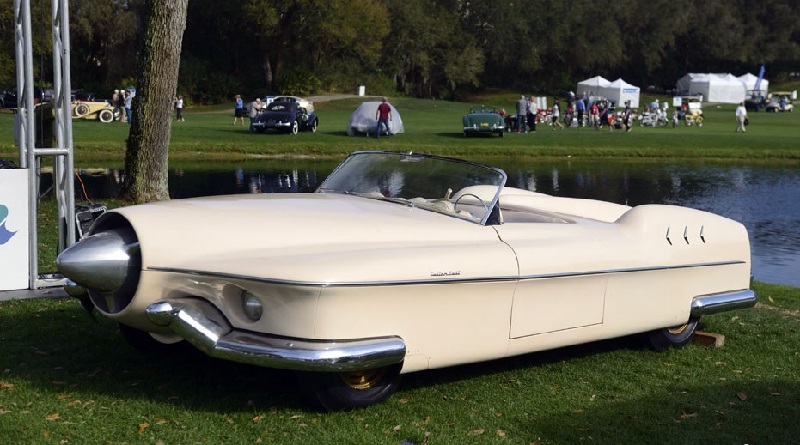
(101, 261)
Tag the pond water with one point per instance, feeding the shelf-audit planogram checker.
(766, 199)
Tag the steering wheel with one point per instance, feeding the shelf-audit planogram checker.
(455, 204)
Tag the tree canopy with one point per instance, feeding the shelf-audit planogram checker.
(424, 48)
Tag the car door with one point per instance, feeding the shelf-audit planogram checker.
(561, 284)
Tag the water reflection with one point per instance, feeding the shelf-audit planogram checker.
(764, 199)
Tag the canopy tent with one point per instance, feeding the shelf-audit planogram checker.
(362, 121)
(714, 87)
(749, 81)
(620, 92)
(592, 87)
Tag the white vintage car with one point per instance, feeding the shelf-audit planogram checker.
(402, 262)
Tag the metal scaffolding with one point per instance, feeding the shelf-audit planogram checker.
(29, 155)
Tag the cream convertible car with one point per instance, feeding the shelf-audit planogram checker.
(402, 262)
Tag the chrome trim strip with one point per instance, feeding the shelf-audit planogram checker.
(728, 301)
(443, 280)
(200, 323)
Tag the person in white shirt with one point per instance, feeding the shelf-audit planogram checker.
(741, 118)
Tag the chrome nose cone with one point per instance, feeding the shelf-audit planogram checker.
(100, 262)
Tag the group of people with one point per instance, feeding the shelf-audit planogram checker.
(599, 114)
(239, 109)
(121, 101)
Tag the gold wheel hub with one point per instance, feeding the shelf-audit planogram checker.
(677, 330)
(363, 379)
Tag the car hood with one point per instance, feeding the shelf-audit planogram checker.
(314, 238)
(276, 115)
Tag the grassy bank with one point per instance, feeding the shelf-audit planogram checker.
(435, 126)
(89, 387)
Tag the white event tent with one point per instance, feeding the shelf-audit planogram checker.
(714, 87)
(749, 80)
(617, 91)
(592, 87)
(620, 92)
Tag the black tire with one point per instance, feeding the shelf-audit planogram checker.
(674, 337)
(261, 129)
(501, 133)
(81, 110)
(105, 116)
(295, 127)
(313, 127)
(333, 391)
(144, 343)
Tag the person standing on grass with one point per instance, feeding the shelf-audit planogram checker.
(580, 108)
(741, 118)
(522, 105)
(179, 109)
(594, 116)
(556, 115)
(128, 103)
(532, 111)
(383, 115)
(238, 110)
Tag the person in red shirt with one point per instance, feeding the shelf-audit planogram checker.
(383, 115)
(594, 115)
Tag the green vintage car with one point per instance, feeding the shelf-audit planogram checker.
(484, 120)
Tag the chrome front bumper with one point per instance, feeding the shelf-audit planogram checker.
(272, 124)
(200, 323)
(728, 301)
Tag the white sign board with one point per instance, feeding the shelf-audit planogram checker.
(14, 253)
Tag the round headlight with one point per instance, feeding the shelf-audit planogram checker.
(251, 306)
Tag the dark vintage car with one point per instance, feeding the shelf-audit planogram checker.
(285, 116)
(9, 98)
(484, 120)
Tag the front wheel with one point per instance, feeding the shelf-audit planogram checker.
(348, 390)
(313, 126)
(105, 116)
(674, 337)
(145, 343)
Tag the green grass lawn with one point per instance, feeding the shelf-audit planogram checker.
(66, 379)
(435, 127)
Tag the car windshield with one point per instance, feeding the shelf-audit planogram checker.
(282, 106)
(453, 187)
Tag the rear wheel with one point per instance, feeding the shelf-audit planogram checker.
(81, 110)
(348, 390)
(313, 126)
(674, 337)
(295, 127)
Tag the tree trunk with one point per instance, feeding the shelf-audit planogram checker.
(147, 153)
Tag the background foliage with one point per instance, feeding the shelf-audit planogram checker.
(422, 48)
